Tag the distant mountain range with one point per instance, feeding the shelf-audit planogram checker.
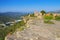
(57, 11)
(10, 16)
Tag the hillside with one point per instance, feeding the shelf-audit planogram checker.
(33, 27)
(10, 16)
(56, 11)
(37, 30)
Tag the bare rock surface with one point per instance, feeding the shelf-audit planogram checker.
(37, 30)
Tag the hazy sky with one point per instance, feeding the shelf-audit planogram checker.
(28, 5)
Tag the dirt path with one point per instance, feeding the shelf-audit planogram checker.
(37, 31)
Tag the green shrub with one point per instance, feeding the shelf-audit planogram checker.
(22, 23)
(1, 38)
(32, 15)
(57, 18)
(21, 28)
(48, 17)
(48, 22)
(4, 32)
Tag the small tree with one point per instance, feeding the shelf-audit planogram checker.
(43, 12)
(51, 14)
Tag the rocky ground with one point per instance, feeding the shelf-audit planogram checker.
(37, 30)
